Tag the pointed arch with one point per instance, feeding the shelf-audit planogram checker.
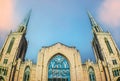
(58, 68)
(26, 76)
(22, 28)
(61, 55)
(91, 74)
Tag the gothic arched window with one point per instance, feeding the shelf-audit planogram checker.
(1, 78)
(58, 69)
(91, 74)
(108, 45)
(10, 45)
(26, 76)
(21, 29)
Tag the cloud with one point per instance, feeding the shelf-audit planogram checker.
(109, 12)
(6, 18)
(6, 14)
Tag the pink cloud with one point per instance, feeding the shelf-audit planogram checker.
(109, 12)
(6, 14)
(6, 18)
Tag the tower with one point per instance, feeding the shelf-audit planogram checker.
(13, 49)
(106, 51)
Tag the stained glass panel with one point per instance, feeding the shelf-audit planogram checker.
(58, 69)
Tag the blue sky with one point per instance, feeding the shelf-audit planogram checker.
(64, 21)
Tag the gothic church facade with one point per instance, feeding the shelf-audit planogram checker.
(59, 62)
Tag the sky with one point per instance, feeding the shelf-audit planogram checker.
(64, 21)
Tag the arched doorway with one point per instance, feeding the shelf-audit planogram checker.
(58, 69)
(118, 79)
(1, 78)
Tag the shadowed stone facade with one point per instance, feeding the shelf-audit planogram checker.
(59, 62)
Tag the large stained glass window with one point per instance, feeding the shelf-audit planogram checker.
(58, 69)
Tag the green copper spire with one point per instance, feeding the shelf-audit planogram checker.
(24, 24)
(95, 26)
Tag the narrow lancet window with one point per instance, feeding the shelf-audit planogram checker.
(108, 45)
(11, 45)
(26, 74)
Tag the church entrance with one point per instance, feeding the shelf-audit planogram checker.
(58, 69)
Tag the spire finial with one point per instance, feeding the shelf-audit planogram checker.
(94, 24)
(26, 19)
(92, 20)
(24, 24)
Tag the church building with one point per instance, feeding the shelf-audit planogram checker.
(59, 62)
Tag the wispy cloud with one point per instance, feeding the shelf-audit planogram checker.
(6, 18)
(109, 12)
(6, 14)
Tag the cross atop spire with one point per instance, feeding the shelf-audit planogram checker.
(95, 26)
(24, 24)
